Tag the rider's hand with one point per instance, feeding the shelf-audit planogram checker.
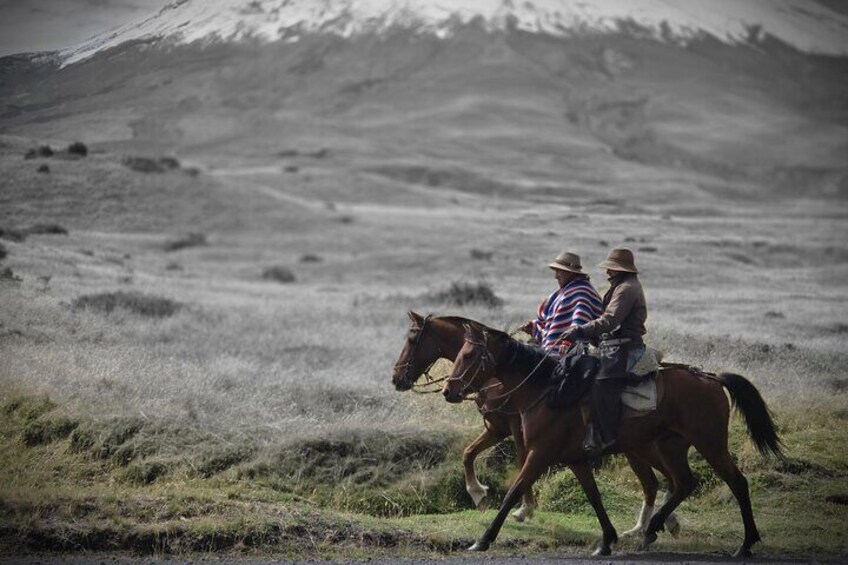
(528, 327)
(572, 334)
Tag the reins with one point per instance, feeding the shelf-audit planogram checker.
(484, 355)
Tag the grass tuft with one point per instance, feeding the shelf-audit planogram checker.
(41, 431)
(223, 459)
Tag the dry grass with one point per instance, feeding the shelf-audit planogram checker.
(246, 376)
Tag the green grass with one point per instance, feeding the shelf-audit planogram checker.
(260, 417)
(371, 491)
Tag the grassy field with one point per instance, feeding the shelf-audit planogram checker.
(202, 363)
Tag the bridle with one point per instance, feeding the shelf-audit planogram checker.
(426, 373)
(481, 364)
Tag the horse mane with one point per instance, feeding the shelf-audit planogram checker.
(459, 320)
(526, 359)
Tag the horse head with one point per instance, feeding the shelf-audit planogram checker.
(474, 365)
(420, 350)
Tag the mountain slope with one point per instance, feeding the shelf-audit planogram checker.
(480, 110)
(807, 26)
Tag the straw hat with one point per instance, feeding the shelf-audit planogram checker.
(620, 260)
(567, 261)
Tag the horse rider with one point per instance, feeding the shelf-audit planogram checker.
(574, 303)
(618, 332)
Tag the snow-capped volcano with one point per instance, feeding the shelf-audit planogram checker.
(803, 24)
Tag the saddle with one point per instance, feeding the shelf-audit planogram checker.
(574, 375)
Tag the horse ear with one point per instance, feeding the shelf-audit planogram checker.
(416, 318)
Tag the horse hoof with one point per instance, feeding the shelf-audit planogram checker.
(743, 553)
(674, 529)
(479, 546)
(602, 551)
(650, 537)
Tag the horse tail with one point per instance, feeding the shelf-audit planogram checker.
(746, 398)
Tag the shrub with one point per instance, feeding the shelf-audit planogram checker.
(135, 302)
(78, 148)
(8, 274)
(479, 255)
(188, 240)
(12, 235)
(143, 165)
(279, 274)
(169, 163)
(463, 294)
(310, 258)
(3, 252)
(50, 229)
(31, 154)
(151, 165)
(45, 168)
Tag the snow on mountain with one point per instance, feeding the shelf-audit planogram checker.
(804, 24)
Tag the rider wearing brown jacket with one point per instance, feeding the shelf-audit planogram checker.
(618, 332)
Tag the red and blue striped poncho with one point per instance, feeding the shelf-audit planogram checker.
(572, 305)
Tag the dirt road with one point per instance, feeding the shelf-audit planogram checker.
(211, 559)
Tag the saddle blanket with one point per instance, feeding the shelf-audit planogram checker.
(642, 397)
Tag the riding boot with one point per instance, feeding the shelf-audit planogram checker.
(606, 402)
(590, 441)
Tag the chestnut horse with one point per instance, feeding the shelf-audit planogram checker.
(432, 338)
(693, 407)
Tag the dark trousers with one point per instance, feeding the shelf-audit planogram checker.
(606, 407)
(606, 393)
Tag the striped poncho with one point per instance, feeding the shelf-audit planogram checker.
(572, 305)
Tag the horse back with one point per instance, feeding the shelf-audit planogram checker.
(682, 388)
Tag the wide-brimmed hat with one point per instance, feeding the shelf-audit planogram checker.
(620, 260)
(567, 261)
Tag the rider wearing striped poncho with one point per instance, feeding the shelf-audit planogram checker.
(574, 303)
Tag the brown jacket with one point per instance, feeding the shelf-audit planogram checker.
(625, 311)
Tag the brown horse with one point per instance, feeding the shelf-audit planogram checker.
(432, 338)
(693, 407)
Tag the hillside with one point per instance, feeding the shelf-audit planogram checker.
(518, 113)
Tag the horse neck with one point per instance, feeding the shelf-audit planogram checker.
(521, 387)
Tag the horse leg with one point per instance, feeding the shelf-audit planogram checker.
(533, 467)
(649, 483)
(528, 500)
(643, 461)
(673, 455)
(722, 463)
(671, 444)
(484, 441)
(587, 480)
